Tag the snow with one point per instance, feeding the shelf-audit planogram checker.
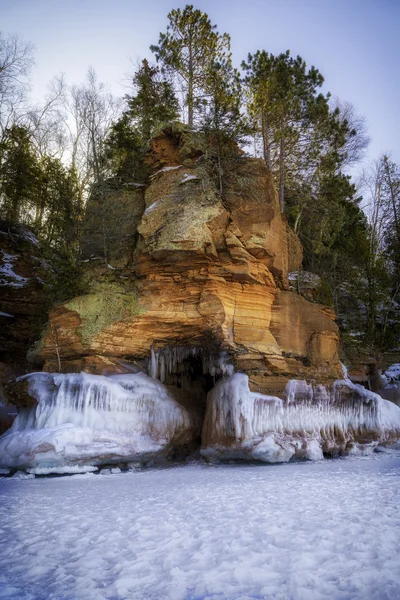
(188, 177)
(156, 203)
(8, 277)
(29, 237)
(90, 419)
(4, 314)
(165, 170)
(71, 470)
(393, 372)
(309, 531)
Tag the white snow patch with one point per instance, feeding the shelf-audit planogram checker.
(8, 277)
(188, 177)
(4, 314)
(156, 204)
(165, 170)
(310, 531)
(393, 372)
(29, 237)
(65, 470)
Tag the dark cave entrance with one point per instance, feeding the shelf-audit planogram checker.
(189, 373)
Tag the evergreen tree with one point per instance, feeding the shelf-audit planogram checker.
(190, 46)
(297, 128)
(19, 176)
(155, 102)
(222, 121)
(124, 150)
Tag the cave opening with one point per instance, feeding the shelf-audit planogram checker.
(189, 373)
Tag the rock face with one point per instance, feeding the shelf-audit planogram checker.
(23, 305)
(110, 226)
(204, 307)
(208, 274)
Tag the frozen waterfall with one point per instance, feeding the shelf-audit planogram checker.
(82, 417)
(309, 421)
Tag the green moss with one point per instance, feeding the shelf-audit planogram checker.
(107, 305)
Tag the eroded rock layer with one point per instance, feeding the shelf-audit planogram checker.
(208, 272)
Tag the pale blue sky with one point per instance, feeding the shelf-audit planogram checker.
(354, 43)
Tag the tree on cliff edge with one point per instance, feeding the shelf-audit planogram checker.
(154, 102)
(188, 49)
(294, 120)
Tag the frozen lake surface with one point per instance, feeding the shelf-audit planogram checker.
(306, 531)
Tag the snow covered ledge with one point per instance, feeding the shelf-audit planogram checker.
(83, 419)
(311, 421)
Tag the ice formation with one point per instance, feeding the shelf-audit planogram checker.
(170, 360)
(392, 374)
(93, 419)
(87, 420)
(308, 422)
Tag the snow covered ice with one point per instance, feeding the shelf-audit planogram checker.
(307, 531)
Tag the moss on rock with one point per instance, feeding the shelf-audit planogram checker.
(108, 304)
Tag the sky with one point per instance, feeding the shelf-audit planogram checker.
(355, 44)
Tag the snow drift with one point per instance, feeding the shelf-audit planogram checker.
(81, 418)
(308, 422)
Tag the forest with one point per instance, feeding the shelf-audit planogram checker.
(82, 140)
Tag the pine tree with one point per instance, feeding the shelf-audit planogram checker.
(222, 121)
(19, 175)
(190, 46)
(297, 128)
(155, 102)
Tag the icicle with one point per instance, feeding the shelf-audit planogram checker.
(170, 361)
(345, 371)
(153, 363)
(82, 415)
(238, 421)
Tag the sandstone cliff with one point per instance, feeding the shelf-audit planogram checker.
(207, 273)
(192, 289)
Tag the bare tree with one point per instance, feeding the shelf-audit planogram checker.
(92, 109)
(16, 61)
(47, 121)
(356, 145)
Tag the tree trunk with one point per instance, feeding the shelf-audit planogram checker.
(281, 176)
(392, 198)
(265, 137)
(190, 86)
